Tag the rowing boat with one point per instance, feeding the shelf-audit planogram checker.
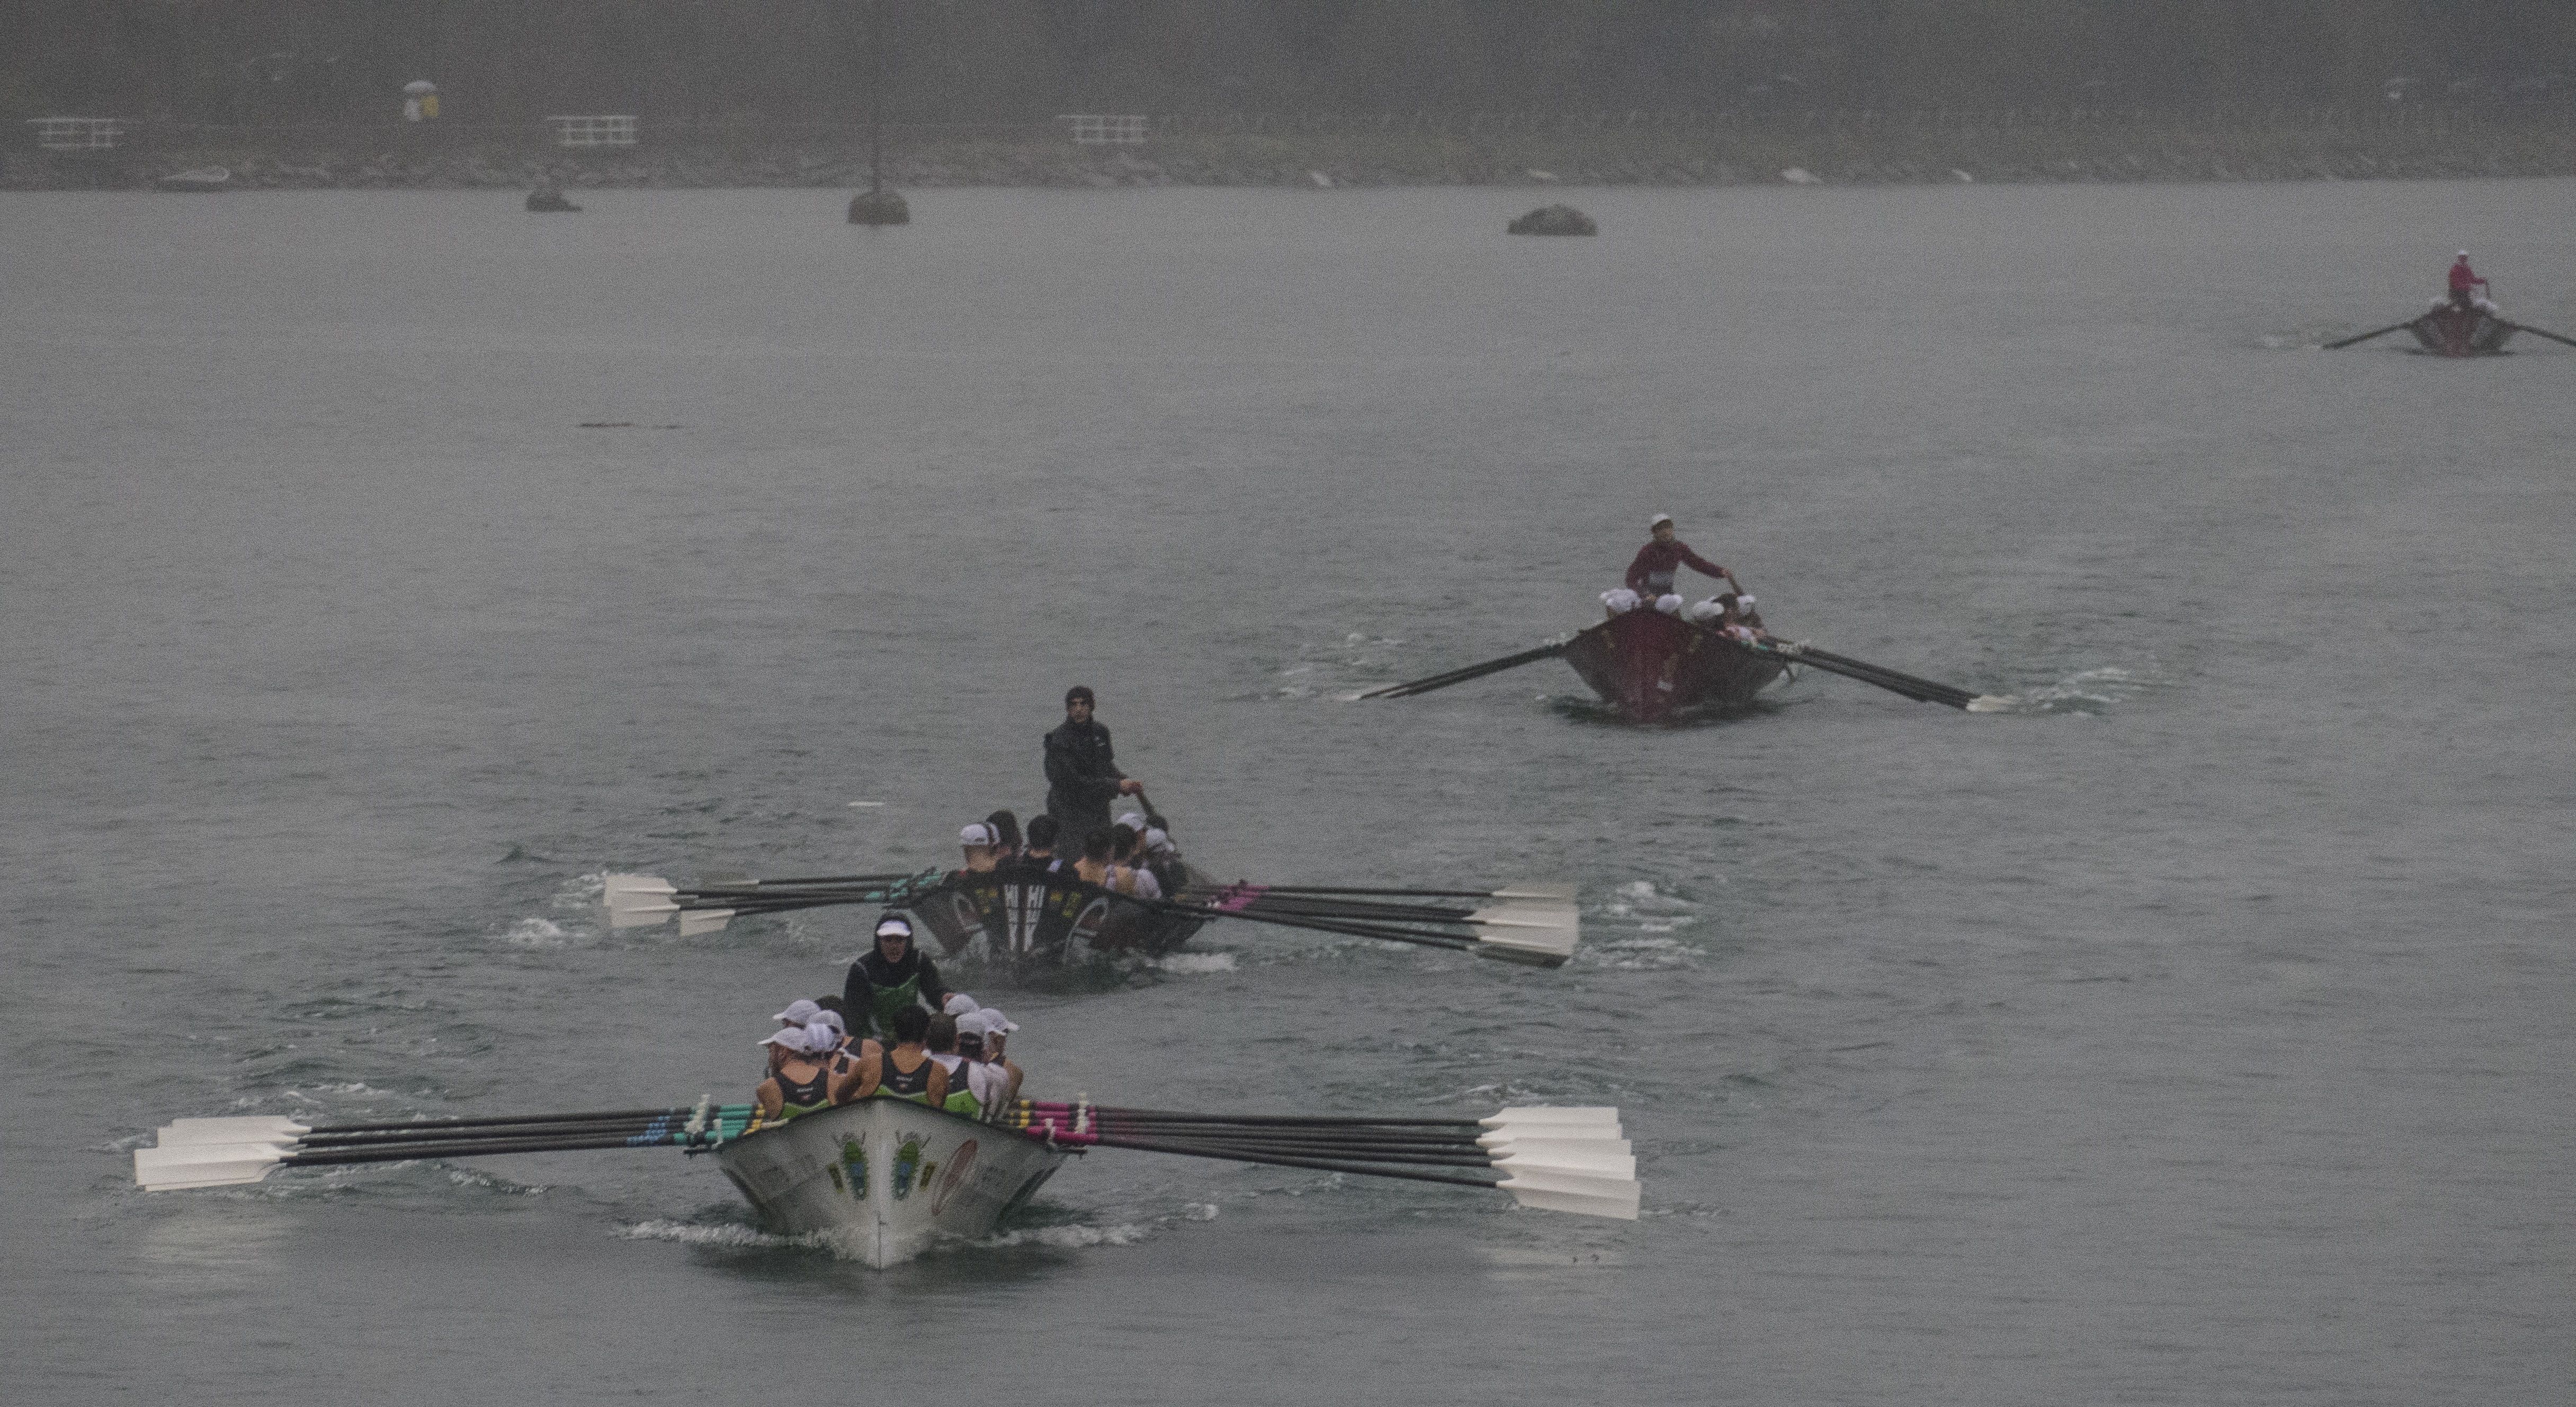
(1651, 666)
(2453, 331)
(1022, 921)
(883, 1179)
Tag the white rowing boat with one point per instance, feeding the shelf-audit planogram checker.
(885, 1178)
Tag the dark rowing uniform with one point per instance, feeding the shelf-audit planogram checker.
(1082, 779)
(1658, 564)
(805, 1096)
(876, 989)
(915, 1086)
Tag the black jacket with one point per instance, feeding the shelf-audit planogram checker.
(1081, 770)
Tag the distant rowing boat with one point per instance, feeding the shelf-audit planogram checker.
(202, 178)
(2449, 331)
(1651, 666)
(1021, 921)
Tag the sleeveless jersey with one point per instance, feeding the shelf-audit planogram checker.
(914, 1086)
(805, 1096)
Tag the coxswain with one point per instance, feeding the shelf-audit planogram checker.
(2465, 286)
(907, 1071)
(889, 979)
(1082, 772)
(1660, 561)
(799, 1079)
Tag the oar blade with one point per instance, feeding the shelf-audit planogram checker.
(1525, 1118)
(204, 1165)
(1607, 1161)
(697, 922)
(638, 900)
(1615, 1200)
(253, 1128)
(1537, 931)
(1561, 891)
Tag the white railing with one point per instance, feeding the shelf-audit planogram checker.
(1092, 129)
(608, 130)
(78, 133)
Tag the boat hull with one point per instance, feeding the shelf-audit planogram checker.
(1651, 666)
(2461, 332)
(886, 1178)
(1001, 914)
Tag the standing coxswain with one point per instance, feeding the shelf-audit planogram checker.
(1082, 772)
(1658, 563)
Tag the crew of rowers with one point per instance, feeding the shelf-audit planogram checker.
(1133, 855)
(1654, 574)
(919, 1042)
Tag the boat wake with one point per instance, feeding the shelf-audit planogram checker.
(1642, 929)
(2085, 691)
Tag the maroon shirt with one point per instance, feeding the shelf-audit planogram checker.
(1659, 562)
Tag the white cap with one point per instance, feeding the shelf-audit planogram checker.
(1620, 600)
(995, 1022)
(826, 1017)
(1157, 841)
(1743, 603)
(959, 1004)
(799, 1012)
(1134, 821)
(821, 1036)
(795, 1038)
(972, 1023)
(894, 923)
(2464, 254)
(1658, 521)
(978, 834)
(1669, 603)
(1705, 611)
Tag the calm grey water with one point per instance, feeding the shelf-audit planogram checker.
(2197, 1031)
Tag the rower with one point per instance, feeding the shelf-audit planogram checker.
(2465, 286)
(990, 1083)
(1127, 874)
(907, 1071)
(1006, 833)
(1094, 864)
(1082, 770)
(891, 978)
(799, 1079)
(1038, 860)
(970, 1083)
(983, 847)
(1657, 563)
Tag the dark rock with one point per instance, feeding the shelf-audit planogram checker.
(1555, 220)
(550, 200)
(879, 208)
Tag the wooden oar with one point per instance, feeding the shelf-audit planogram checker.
(1410, 688)
(2536, 332)
(2364, 337)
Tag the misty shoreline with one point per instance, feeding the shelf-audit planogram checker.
(1834, 149)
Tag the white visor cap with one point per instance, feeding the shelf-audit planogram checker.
(1620, 600)
(1658, 521)
(793, 1038)
(799, 1012)
(894, 925)
(995, 1022)
(978, 834)
(1669, 603)
(960, 1004)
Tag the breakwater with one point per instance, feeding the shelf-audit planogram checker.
(1383, 150)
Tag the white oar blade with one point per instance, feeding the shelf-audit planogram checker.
(1540, 931)
(1522, 1118)
(255, 1128)
(204, 1165)
(1992, 703)
(698, 921)
(1532, 889)
(1600, 1137)
(1618, 1200)
(635, 900)
(1563, 1157)
(1606, 1158)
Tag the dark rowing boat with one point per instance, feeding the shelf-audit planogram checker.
(1025, 921)
(2452, 331)
(1651, 666)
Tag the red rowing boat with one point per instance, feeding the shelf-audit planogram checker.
(2453, 331)
(1651, 666)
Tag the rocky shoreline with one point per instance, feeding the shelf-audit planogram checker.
(1832, 152)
